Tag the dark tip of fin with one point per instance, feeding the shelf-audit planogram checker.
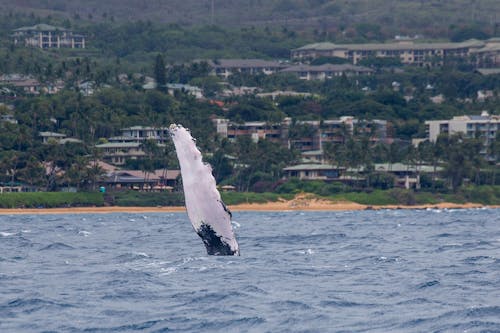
(214, 243)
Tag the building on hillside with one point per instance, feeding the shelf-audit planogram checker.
(26, 83)
(408, 52)
(46, 36)
(313, 157)
(287, 93)
(314, 172)
(226, 67)
(326, 71)
(257, 130)
(306, 135)
(172, 88)
(49, 137)
(161, 180)
(489, 55)
(8, 118)
(143, 133)
(484, 126)
(129, 145)
(117, 153)
(337, 131)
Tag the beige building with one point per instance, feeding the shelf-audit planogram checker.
(408, 52)
(326, 71)
(226, 67)
(129, 145)
(484, 126)
(46, 36)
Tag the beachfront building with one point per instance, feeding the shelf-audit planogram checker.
(484, 126)
(408, 52)
(46, 36)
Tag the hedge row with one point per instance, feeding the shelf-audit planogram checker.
(50, 199)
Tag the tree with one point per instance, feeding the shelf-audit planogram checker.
(160, 73)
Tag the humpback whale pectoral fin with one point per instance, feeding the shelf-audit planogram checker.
(214, 243)
(226, 209)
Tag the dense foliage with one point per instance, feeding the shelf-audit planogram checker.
(121, 55)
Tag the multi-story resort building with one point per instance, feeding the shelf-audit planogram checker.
(129, 145)
(257, 130)
(307, 135)
(337, 131)
(408, 52)
(47, 36)
(484, 126)
(226, 67)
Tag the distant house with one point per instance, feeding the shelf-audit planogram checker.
(86, 88)
(130, 144)
(185, 88)
(226, 67)
(117, 153)
(48, 137)
(256, 130)
(279, 93)
(8, 118)
(406, 176)
(46, 36)
(143, 133)
(326, 71)
(51, 136)
(158, 180)
(314, 171)
(26, 83)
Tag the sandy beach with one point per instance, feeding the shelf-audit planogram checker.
(298, 204)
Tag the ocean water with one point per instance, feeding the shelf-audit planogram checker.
(364, 271)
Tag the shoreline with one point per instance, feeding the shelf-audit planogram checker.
(298, 204)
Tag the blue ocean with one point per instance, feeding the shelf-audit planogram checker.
(354, 271)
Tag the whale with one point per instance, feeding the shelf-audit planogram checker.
(209, 216)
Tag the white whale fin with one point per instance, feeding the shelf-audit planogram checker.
(210, 217)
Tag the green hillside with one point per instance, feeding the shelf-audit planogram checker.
(428, 17)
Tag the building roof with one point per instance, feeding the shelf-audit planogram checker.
(277, 93)
(326, 46)
(400, 167)
(303, 167)
(312, 153)
(70, 140)
(144, 128)
(180, 86)
(52, 135)
(327, 68)
(245, 63)
(488, 71)
(119, 145)
(41, 27)
(138, 176)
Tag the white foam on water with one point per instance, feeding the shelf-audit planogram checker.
(6, 234)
